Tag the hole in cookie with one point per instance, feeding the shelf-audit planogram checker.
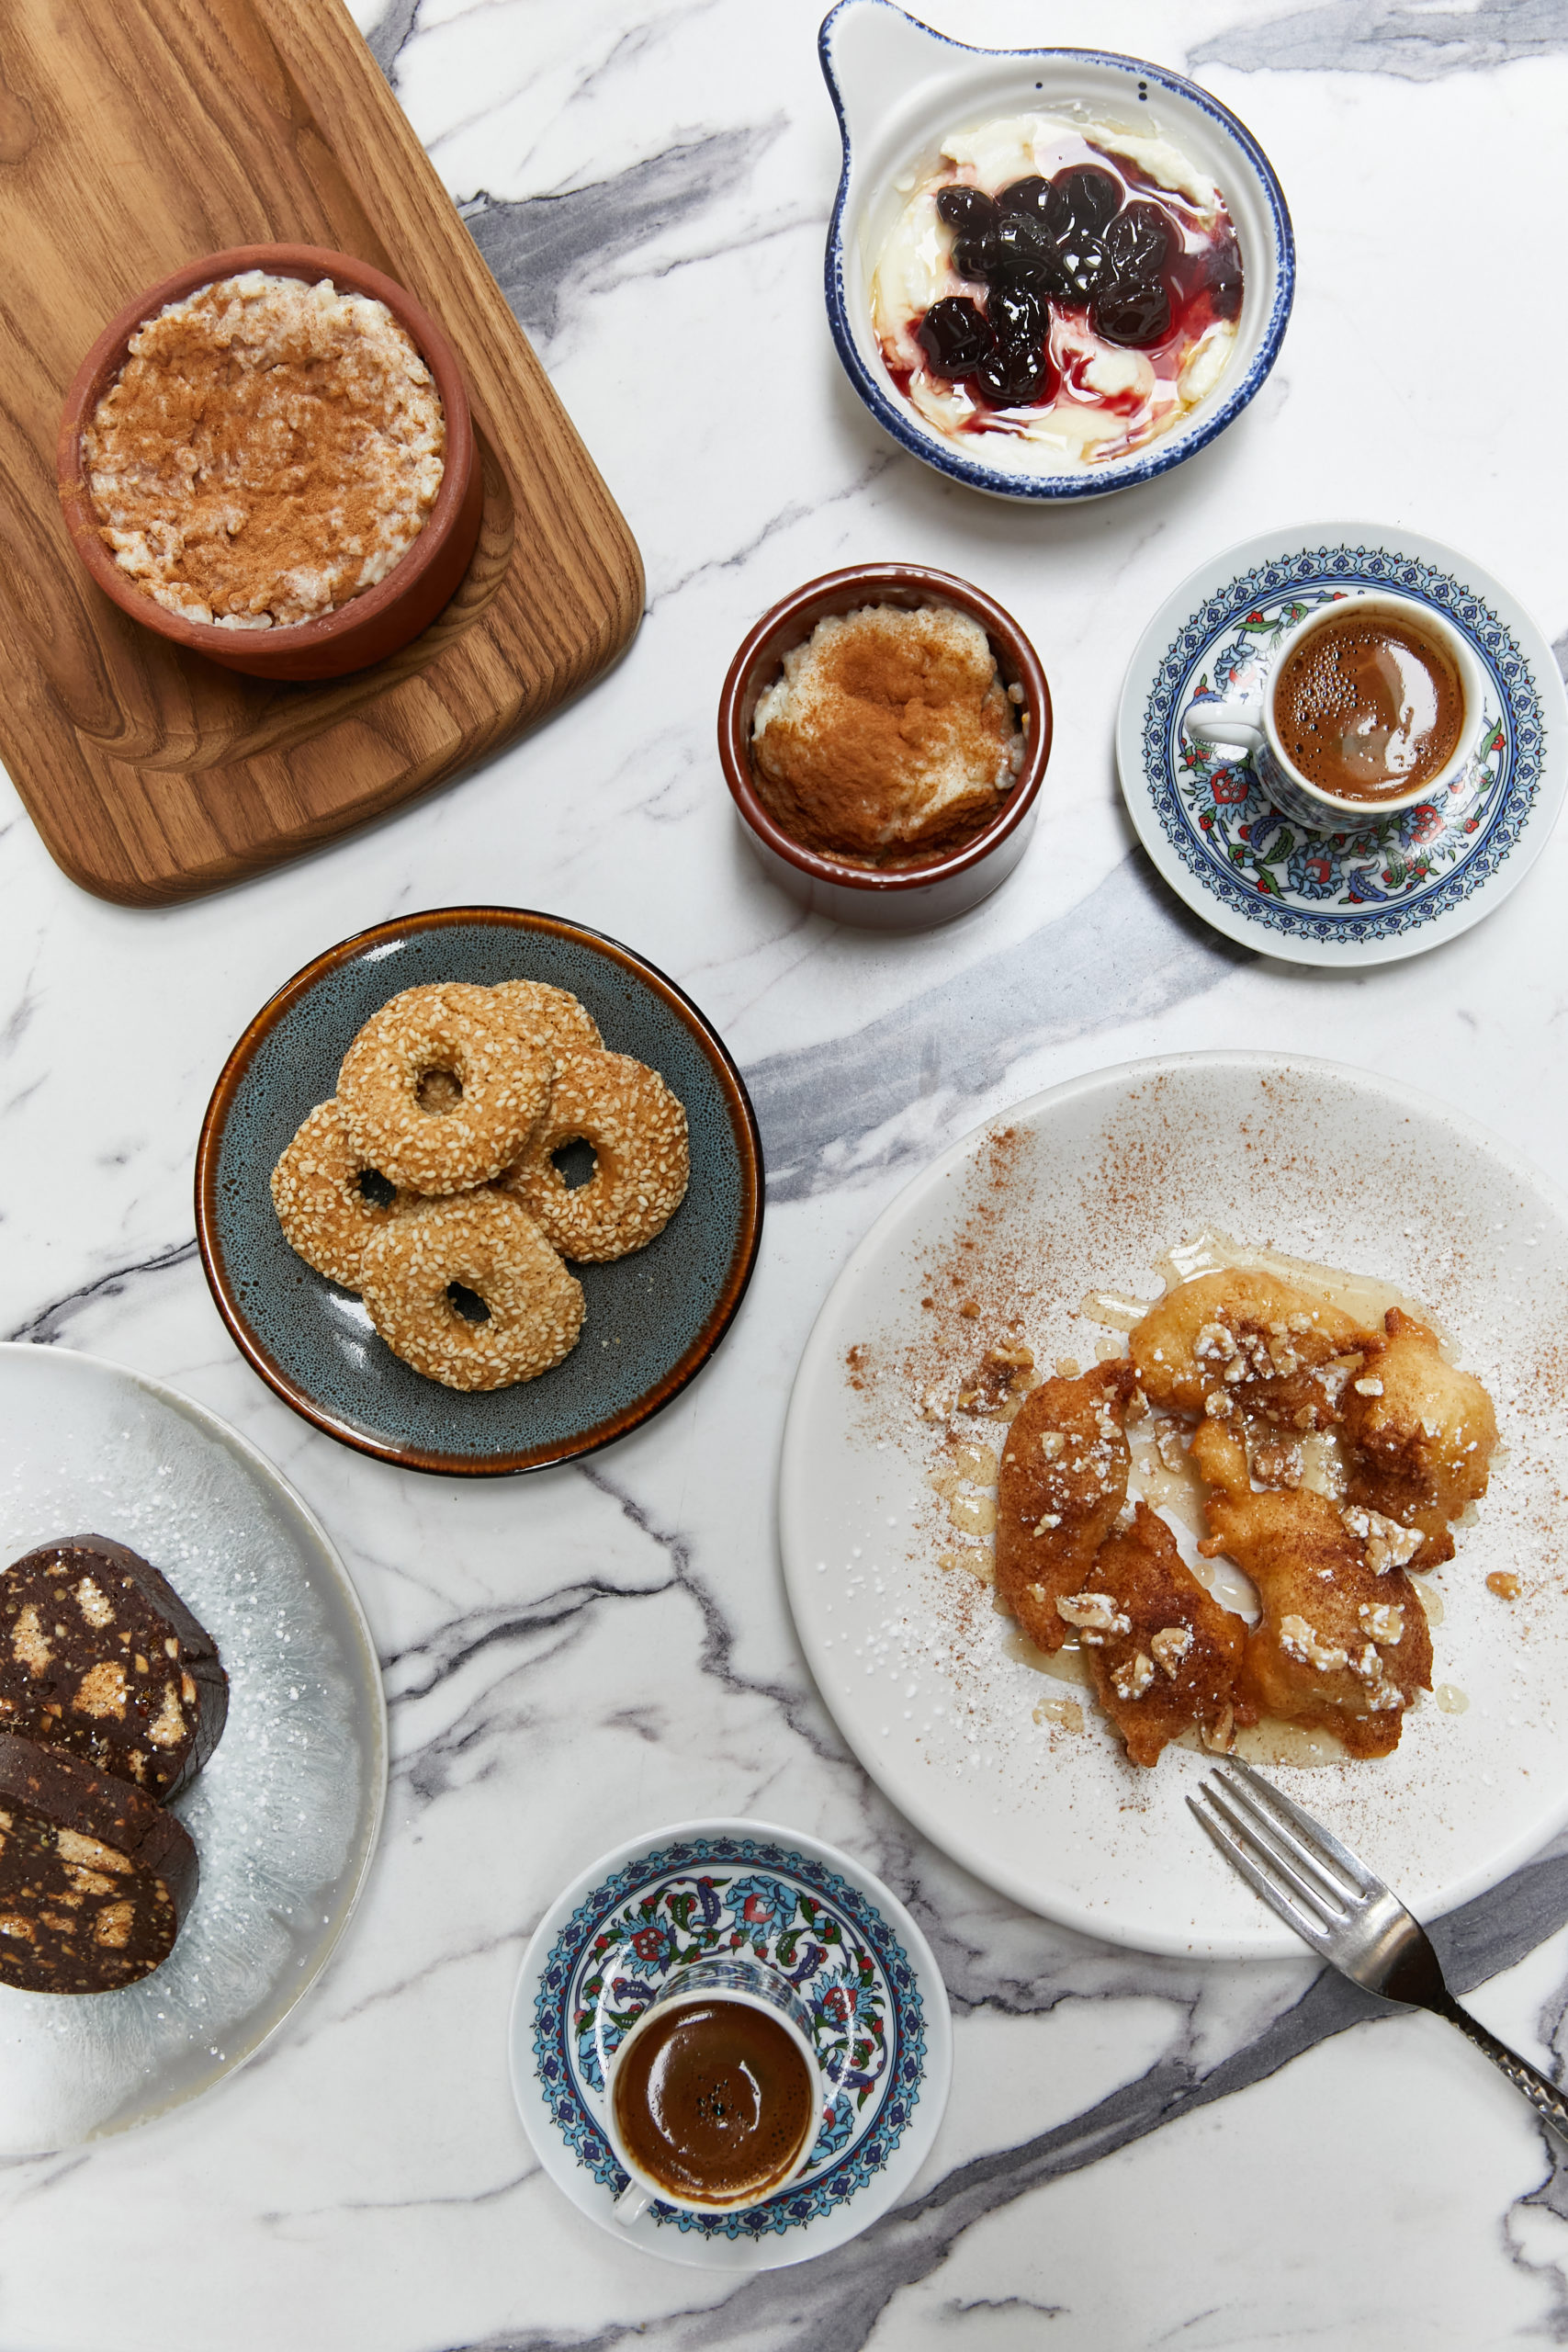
(377, 1189)
(576, 1163)
(469, 1303)
(438, 1091)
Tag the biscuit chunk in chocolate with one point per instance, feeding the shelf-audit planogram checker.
(96, 1879)
(101, 1656)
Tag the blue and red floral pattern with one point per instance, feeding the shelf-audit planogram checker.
(682, 1904)
(1387, 877)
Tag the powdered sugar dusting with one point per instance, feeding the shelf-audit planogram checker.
(996, 1253)
(282, 1815)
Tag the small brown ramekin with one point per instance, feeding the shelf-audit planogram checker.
(905, 898)
(369, 627)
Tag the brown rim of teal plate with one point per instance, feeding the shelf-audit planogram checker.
(278, 1308)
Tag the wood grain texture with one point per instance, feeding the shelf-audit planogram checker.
(132, 140)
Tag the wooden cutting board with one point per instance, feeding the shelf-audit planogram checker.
(136, 135)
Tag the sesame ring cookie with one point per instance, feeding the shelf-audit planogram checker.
(316, 1190)
(434, 1145)
(551, 1017)
(487, 1244)
(637, 1129)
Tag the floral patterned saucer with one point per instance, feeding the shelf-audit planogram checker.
(1390, 888)
(879, 2015)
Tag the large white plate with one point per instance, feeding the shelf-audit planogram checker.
(285, 1816)
(1083, 1188)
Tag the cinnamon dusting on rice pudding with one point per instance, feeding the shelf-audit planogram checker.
(269, 450)
(889, 735)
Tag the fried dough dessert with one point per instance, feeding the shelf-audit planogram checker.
(1268, 1348)
(1163, 1656)
(1341, 1646)
(1265, 1368)
(1062, 1483)
(1419, 1435)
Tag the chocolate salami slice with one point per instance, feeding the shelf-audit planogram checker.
(99, 1655)
(94, 1878)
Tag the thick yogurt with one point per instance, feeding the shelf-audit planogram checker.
(1109, 399)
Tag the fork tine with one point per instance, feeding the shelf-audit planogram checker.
(1265, 1795)
(1277, 1836)
(1263, 1842)
(1311, 1930)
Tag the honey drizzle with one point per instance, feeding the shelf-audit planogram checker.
(1177, 1493)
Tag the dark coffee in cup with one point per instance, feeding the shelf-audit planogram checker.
(1368, 706)
(713, 2101)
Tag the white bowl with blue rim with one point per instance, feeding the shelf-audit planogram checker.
(900, 89)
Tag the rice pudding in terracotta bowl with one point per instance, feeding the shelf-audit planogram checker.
(268, 458)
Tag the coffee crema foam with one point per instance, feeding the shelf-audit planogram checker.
(1368, 706)
(712, 2101)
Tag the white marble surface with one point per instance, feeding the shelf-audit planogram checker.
(1137, 2153)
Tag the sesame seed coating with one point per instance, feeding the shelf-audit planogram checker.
(315, 1190)
(637, 1129)
(504, 1085)
(491, 1247)
(447, 1088)
(549, 1017)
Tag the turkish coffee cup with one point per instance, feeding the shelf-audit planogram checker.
(715, 2095)
(1358, 780)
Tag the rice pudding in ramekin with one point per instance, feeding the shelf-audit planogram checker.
(913, 887)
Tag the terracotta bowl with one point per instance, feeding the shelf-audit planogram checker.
(906, 897)
(369, 627)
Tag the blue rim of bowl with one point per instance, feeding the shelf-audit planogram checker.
(1171, 452)
(660, 1392)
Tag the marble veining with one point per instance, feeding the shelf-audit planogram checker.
(1421, 43)
(876, 1100)
(1137, 2152)
(51, 1323)
(541, 249)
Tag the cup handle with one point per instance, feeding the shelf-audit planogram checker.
(1232, 723)
(631, 2204)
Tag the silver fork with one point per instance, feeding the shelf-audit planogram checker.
(1334, 1903)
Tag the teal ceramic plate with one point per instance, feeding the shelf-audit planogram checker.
(653, 1318)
